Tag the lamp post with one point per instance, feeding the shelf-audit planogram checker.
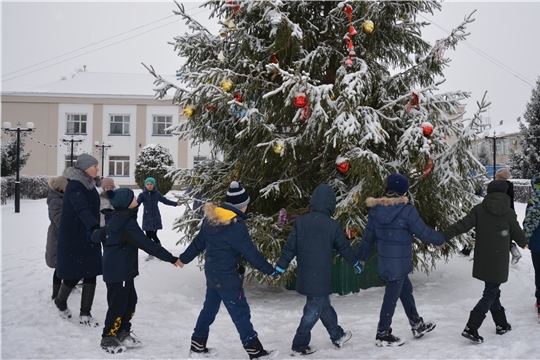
(102, 149)
(495, 138)
(18, 130)
(73, 144)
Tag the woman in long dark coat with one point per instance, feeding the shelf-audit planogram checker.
(77, 256)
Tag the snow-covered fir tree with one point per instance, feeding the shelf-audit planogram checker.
(299, 93)
(154, 161)
(483, 155)
(526, 163)
(9, 157)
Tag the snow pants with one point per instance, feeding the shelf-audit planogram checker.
(122, 299)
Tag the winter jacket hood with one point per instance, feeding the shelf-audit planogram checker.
(496, 203)
(387, 212)
(323, 199)
(219, 217)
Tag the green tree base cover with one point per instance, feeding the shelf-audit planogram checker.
(154, 161)
(287, 91)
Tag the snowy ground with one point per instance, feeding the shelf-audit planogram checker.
(170, 299)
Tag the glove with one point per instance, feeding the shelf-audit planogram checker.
(90, 232)
(276, 274)
(357, 268)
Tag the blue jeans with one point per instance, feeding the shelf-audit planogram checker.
(316, 307)
(236, 304)
(490, 300)
(400, 289)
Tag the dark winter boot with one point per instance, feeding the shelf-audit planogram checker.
(61, 301)
(55, 290)
(112, 345)
(422, 328)
(255, 351)
(388, 340)
(199, 349)
(471, 329)
(87, 299)
(501, 325)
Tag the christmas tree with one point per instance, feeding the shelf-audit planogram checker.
(526, 163)
(299, 93)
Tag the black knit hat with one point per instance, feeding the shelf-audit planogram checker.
(237, 196)
(122, 197)
(497, 186)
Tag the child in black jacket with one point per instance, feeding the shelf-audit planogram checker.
(122, 238)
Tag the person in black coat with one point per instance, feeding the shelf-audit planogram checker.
(312, 240)
(225, 237)
(77, 257)
(122, 237)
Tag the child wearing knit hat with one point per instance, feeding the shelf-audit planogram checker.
(106, 185)
(122, 237)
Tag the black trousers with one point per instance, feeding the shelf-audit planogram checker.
(73, 282)
(122, 299)
(153, 235)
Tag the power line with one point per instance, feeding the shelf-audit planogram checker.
(487, 56)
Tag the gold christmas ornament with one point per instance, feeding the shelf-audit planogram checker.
(189, 111)
(221, 57)
(227, 85)
(356, 197)
(223, 33)
(368, 27)
(278, 147)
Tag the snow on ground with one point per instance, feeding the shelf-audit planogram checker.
(170, 300)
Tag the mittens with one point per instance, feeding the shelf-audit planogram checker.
(357, 268)
(277, 272)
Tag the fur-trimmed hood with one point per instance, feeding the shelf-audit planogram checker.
(386, 209)
(72, 173)
(221, 216)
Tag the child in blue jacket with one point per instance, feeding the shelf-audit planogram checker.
(150, 197)
(531, 227)
(392, 222)
(122, 237)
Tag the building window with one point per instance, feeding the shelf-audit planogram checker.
(118, 165)
(198, 159)
(506, 146)
(119, 124)
(76, 124)
(160, 123)
(68, 160)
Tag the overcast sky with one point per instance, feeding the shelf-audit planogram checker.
(43, 41)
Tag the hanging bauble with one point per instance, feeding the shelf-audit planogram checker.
(210, 107)
(368, 27)
(189, 111)
(278, 147)
(227, 85)
(274, 59)
(352, 30)
(221, 57)
(238, 97)
(428, 167)
(230, 25)
(300, 100)
(349, 61)
(343, 167)
(348, 11)
(350, 233)
(223, 33)
(332, 97)
(427, 129)
(356, 197)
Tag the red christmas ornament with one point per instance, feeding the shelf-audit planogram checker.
(274, 59)
(428, 167)
(349, 62)
(210, 107)
(415, 102)
(352, 30)
(300, 101)
(350, 233)
(427, 129)
(343, 167)
(238, 97)
(348, 11)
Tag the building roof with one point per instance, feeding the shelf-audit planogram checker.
(96, 84)
(507, 128)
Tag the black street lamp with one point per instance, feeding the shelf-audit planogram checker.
(18, 130)
(73, 144)
(102, 149)
(495, 138)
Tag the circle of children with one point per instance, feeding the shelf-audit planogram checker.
(83, 243)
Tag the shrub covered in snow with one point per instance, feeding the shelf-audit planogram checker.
(154, 161)
(32, 187)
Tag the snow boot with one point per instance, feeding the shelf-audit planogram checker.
(342, 340)
(309, 350)
(87, 299)
(255, 351)
(388, 340)
(422, 328)
(516, 254)
(199, 349)
(471, 329)
(538, 309)
(55, 290)
(112, 345)
(465, 251)
(61, 301)
(501, 324)
(127, 339)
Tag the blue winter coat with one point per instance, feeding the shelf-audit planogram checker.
(312, 240)
(531, 222)
(77, 256)
(225, 237)
(392, 223)
(151, 215)
(122, 238)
